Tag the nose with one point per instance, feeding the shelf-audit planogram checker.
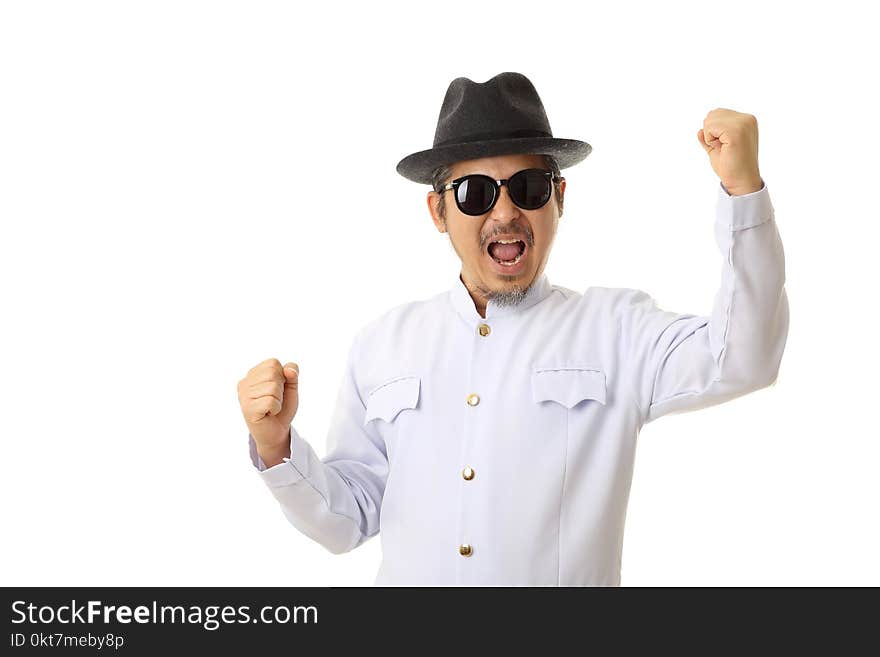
(504, 210)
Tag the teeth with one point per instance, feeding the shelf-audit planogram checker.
(509, 263)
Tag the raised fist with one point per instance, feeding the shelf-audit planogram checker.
(269, 397)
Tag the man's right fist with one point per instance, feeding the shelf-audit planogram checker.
(269, 397)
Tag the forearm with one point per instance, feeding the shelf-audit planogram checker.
(750, 314)
(313, 496)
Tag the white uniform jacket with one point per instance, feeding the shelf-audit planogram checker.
(500, 451)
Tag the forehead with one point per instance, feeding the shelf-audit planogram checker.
(498, 166)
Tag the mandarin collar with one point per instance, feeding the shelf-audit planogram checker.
(464, 304)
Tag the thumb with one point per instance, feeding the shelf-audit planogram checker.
(290, 401)
(702, 139)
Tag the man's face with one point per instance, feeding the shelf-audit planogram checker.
(474, 237)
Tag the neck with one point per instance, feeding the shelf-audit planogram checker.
(478, 295)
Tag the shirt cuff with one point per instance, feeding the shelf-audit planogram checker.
(745, 210)
(290, 470)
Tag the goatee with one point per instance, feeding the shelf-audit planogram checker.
(509, 297)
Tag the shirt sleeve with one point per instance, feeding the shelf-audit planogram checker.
(683, 362)
(334, 501)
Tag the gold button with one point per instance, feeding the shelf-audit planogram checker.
(484, 330)
(465, 550)
(468, 473)
(473, 399)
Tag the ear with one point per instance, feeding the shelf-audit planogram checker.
(562, 194)
(434, 208)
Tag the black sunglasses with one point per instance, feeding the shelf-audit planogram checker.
(476, 194)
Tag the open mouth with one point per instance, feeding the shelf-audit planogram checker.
(507, 252)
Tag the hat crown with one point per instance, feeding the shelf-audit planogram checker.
(501, 116)
(505, 106)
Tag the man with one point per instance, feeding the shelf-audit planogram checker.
(488, 433)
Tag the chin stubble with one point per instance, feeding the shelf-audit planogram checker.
(510, 297)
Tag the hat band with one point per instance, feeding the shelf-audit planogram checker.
(491, 136)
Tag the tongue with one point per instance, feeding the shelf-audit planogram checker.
(504, 251)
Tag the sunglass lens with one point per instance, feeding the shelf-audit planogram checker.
(475, 194)
(530, 189)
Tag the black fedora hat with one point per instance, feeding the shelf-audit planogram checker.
(501, 116)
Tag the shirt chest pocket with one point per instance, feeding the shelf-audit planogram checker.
(388, 399)
(569, 385)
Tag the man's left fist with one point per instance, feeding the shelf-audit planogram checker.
(731, 140)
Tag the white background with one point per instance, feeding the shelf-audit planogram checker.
(188, 188)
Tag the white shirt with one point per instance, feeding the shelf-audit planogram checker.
(504, 455)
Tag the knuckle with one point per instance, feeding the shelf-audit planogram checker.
(263, 365)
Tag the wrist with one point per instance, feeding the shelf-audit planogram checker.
(276, 453)
(748, 188)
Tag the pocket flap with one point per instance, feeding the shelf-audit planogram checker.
(568, 385)
(391, 397)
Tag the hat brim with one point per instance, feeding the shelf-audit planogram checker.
(419, 166)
